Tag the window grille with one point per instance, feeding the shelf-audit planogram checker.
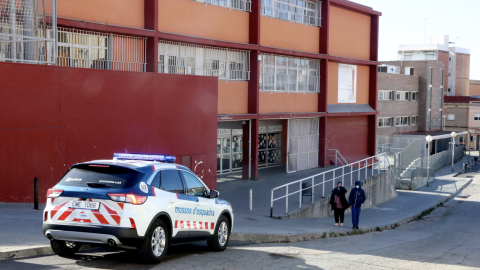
(243, 5)
(289, 74)
(22, 30)
(87, 49)
(189, 59)
(299, 11)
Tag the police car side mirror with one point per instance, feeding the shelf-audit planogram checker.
(214, 194)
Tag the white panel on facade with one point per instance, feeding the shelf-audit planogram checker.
(303, 144)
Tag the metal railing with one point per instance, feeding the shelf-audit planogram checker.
(338, 157)
(364, 164)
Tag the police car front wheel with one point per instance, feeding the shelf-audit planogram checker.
(64, 248)
(222, 233)
(154, 247)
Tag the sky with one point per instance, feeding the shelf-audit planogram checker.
(402, 23)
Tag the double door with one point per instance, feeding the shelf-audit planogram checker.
(229, 152)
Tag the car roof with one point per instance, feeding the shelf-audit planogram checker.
(137, 164)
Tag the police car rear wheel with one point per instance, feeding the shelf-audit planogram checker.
(154, 247)
(221, 235)
(65, 248)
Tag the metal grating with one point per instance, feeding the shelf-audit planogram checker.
(187, 161)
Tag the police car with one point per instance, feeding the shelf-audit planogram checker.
(135, 200)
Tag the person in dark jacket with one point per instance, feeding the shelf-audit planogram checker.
(356, 199)
(339, 203)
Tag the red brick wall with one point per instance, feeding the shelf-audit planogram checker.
(474, 89)
(53, 117)
(349, 135)
(443, 57)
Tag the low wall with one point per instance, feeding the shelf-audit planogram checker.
(378, 189)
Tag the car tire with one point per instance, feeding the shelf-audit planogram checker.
(156, 238)
(65, 248)
(221, 235)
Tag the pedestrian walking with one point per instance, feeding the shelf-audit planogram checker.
(356, 199)
(339, 203)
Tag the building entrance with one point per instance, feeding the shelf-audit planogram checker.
(229, 150)
(270, 143)
(303, 144)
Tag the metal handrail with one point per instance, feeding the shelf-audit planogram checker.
(343, 161)
(375, 160)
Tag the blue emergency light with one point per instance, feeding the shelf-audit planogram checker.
(161, 158)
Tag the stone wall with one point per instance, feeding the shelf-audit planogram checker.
(378, 189)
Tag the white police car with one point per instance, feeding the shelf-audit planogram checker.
(136, 201)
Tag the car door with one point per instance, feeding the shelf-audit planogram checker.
(205, 214)
(179, 208)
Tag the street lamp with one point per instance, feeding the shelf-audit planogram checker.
(454, 134)
(428, 139)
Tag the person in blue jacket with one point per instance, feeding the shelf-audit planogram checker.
(356, 199)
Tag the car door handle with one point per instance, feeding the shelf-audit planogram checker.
(171, 201)
(198, 204)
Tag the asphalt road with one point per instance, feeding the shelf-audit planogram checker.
(448, 238)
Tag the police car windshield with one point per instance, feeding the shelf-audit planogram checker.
(87, 175)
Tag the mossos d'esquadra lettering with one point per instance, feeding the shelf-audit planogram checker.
(195, 211)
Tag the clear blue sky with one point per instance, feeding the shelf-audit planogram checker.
(402, 23)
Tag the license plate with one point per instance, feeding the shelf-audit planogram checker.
(84, 205)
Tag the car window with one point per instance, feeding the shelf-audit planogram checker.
(156, 180)
(171, 181)
(194, 187)
(110, 176)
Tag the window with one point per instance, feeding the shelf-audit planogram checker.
(299, 11)
(430, 75)
(188, 59)
(450, 117)
(440, 120)
(401, 120)
(441, 78)
(408, 71)
(85, 175)
(402, 95)
(429, 100)
(414, 95)
(385, 95)
(243, 5)
(414, 120)
(383, 69)
(288, 74)
(194, 187)
(428, 119)
(441, 99)
(384, 122)
(171, 181)
(476, 117)
(156, 180)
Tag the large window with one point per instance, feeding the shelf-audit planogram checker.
(288, 74)
(189, 59)
(88, 49)
(385, 95)
(244, 5)
(402, 120)
(300, 11)
(384, 122)
(403, 95)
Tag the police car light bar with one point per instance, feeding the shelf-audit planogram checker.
(161, 158)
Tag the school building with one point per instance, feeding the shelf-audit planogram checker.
(223, 85)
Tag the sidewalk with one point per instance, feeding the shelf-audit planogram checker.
(407, 206)
(21, 234)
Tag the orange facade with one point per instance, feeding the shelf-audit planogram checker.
(362, 84)
(190, 18)
(282, 34)
(232, 97)
(128, 13)
(271, 102)
(349, 34)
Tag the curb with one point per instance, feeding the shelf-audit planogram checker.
(275, 238)
(25, 252)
